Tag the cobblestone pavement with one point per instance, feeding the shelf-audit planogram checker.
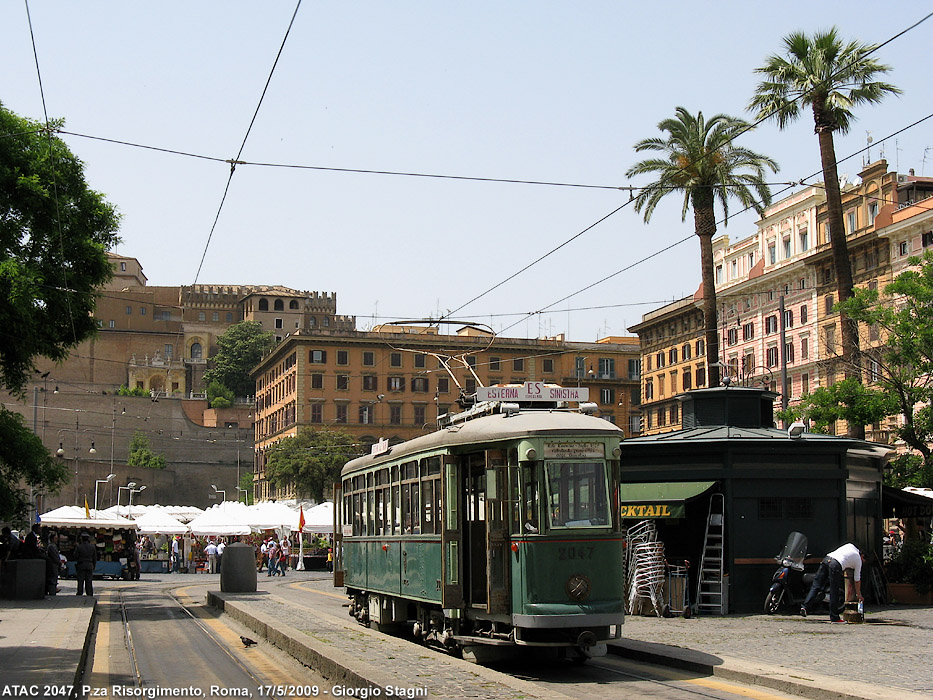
(893, 648)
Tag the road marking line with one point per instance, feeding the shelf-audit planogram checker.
(100, 670)
(302, 585)
(734, 689)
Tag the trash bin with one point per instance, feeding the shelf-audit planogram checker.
(238, 569)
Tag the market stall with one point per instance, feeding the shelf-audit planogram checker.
(110, 534)
(155, 522)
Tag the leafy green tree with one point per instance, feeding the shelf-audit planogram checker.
(219, 396)
(239, 349)
(141, 454)
(831, 77)
(903, 371)
(135, 391)
(54, 234)
(311, 461)
(246, 486)
(701, 162)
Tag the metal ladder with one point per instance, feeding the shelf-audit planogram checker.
(710, 588)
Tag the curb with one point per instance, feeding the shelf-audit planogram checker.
(85, 650)
(795, 682)
(347, 669)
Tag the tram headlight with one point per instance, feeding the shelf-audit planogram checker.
(531, 454)
(578, 587)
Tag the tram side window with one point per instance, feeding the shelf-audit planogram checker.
(530, 491)
(577, 494)
(396, 510)
(430, 495)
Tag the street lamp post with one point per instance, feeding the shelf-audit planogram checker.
(129, 487)
(97, 485)
(60, 452)
(217, 490)
(132, 491)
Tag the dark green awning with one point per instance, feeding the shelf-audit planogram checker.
(661, 500)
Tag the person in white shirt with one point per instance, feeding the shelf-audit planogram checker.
(846, 557)
(221, 546)
(211, 551)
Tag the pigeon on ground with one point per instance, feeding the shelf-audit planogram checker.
(247, 642)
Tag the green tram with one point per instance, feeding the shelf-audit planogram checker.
(499, 529)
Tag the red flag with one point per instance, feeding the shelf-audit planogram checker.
(301, 518)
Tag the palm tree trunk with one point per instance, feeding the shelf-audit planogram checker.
(704, 219)
(851, 356)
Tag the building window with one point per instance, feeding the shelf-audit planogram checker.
(772, 253)
(607, 366)
(804, 240)
(735, 269)
(674, 413)
(700, 376)
(518, 364)
(659, 359)
(687, 380)
(395, 359)
(279, 305)
(700, 347)
(202, 316)
(804, 384)
(215, 316)
(317, 413)
(196, 351)
(732, 336)
(443, 385)
(263, 304)
(828, 302)
(122, 267)
(370, 382)
(167, 351)
(771, 324)
(369, 359)
(903, 248)
(229, 317)
(788, 319)
(719, 274)
(471, 361)
(419, 384)
(850, 221)
(788, 352)
(317, 357)
(829, 339)
(419, 414)
(366, 414)
(634, 367)
(495, 364)
(547, 366)
(634, 424)
(395, 414)
(470, 386)
(748, 331)
(771, 356)
(607, 397)
(787, 251)
(396, 384)
(803, 314)
(420, 360)
(926, 239)
(343, 382)
(317, 381)
(661, 378)
(293, 304)
(872, 213)
(343, 357)
(804, 348)
(341, 413)
(278, 323)
(649, 389)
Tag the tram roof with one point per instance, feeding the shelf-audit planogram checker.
(495, 428)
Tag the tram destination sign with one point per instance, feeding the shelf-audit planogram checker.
(532, 391)
(574, 450)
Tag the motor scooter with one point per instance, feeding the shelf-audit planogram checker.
(789, 585)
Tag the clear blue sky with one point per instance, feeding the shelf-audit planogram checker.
(522, 90)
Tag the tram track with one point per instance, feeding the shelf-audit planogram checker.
(142, 638)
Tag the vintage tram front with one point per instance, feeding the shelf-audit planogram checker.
(501, 529)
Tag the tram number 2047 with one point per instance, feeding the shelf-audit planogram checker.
(572, 553)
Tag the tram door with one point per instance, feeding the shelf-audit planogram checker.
(474, 496)
(452, 566)
(497, 545)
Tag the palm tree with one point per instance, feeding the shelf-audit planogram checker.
(831, 78)
(701, 161)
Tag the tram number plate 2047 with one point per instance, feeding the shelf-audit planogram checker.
(574, 553)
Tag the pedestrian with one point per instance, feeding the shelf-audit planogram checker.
(211, 551)
(30, 549)
(273, 553)
(85, 561)
(53, 564)
(221, 546)
(176, 555)
(283, 556)
(330, 559)
(263, 554)
(846, 557)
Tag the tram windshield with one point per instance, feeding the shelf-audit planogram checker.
(577, 494)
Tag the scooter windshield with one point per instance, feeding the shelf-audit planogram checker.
(795, 548)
